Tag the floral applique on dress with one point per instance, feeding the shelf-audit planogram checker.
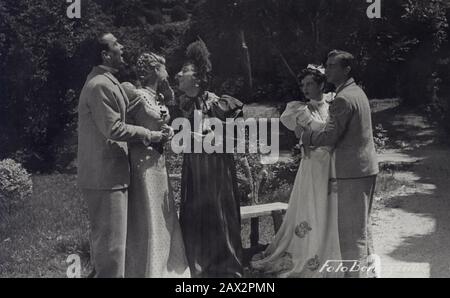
(313, 264)
(286, 263)
(303, 229)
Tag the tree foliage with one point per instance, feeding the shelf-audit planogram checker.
(42, 53)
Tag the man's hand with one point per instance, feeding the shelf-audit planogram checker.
(168, 132)
(163, 85)
(306, 151)
(306, 142)
(156, 137)
(306, 136)
(167, 92)
(299, 131)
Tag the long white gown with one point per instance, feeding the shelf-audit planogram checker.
(155, 246)
(307, 244)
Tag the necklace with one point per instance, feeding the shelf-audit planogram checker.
(198, 101)
(151, 97)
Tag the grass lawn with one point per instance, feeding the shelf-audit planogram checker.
(36, 241)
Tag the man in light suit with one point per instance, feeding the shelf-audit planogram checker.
(349, 130)
(103, 165)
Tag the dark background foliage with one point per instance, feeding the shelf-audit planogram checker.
(43, 62)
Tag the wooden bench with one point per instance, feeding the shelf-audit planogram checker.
(254, 212)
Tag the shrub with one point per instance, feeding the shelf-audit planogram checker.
(283, 173)
(178, 14)
(154, 16)
(233, 87)
(15, 185)
(438, 110)
(380, 138)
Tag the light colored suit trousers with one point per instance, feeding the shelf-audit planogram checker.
(355, 198)
(108, 223)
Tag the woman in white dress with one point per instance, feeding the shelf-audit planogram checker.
(307, 244)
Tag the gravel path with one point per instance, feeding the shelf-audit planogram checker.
(411, 219)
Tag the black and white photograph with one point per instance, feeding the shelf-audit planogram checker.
(225, 139)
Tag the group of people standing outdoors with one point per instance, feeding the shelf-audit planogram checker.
(135, 229)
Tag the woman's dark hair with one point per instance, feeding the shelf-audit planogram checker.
(198, 54)
(317, 76)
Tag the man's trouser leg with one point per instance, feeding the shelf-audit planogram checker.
(108, 226)
(355, 197)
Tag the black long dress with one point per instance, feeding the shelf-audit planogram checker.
(210, 209)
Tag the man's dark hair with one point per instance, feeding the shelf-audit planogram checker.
(92, 49)
(345, 59)
(99, 46)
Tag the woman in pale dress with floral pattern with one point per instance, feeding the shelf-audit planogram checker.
(155, 246)
(307, 243)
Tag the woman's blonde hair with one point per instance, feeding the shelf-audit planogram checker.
(148, 61)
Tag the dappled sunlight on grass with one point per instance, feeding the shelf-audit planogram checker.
(53, 224)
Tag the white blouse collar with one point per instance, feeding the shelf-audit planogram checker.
(319, 103)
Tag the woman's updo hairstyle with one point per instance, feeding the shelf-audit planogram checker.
(317, 73)
(147, 62)
(198, 55)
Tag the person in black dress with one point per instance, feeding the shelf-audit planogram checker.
(210, 208)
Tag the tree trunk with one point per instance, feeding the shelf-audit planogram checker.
(248, 82)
